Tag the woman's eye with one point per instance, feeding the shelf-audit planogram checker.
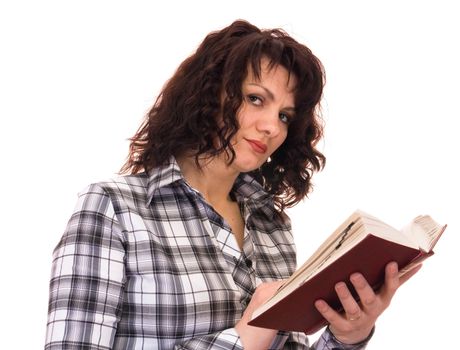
(255, 100)
(285, 118)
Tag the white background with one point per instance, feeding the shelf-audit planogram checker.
(76, 78)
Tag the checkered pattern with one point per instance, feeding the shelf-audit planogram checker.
(146, 263)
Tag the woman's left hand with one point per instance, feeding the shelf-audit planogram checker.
(358, 319)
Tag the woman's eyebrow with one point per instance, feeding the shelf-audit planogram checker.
(270, 95)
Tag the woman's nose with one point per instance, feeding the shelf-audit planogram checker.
(269, 124)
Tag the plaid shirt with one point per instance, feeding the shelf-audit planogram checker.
(146, 263)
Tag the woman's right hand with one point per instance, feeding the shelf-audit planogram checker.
(254, 337)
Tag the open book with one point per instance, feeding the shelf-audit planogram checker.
(363, 244)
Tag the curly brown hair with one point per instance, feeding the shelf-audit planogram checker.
(190, 114)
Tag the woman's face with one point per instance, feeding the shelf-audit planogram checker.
(267, 108)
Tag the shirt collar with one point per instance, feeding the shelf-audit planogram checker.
(249, 190)
(163, 176)
(246, 188)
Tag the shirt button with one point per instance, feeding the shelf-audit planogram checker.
(248, 263)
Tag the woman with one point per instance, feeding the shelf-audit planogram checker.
(178, 253)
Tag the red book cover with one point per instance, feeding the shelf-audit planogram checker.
(296, 312)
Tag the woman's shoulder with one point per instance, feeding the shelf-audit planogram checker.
(117, 189)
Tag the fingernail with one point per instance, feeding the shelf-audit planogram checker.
(320, 305)
(394, 268)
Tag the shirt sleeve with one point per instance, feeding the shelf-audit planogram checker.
(229, 339)
(327, 341)
(87, 277)
(225, 340)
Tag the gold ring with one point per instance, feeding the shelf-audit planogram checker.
(354, 318)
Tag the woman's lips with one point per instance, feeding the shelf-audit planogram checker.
(257, 146)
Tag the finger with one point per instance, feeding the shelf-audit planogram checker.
(391, 282)
(266, 290)
(331, 316)
(350, 305)
(365, 291)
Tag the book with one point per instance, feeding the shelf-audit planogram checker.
(362, 243)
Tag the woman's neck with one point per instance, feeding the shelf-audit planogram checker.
(214, 180)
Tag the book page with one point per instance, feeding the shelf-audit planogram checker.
(425, 231)
(385, 231)
(343, 236)
(330, 243)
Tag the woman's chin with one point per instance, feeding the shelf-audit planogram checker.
(247, 165)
